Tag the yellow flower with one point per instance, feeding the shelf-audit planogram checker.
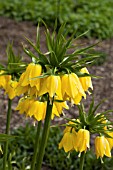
(68, 128)
(52, 85)
(38, 110)
(83, 140)
(8, 85)
(24, 105)
(35, 72)
(110, 140)
(33, 108)
(76, 100)
(86, 81)
(4, 79)
(10, 89)
(57, 108)
(102, 147)
(32, 91)
(72, 88)
(21, 89)
(68, 141)
(29, 76)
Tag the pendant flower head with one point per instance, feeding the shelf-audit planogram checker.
(30, 107)
(8, 85)
(110, 140)
(102, 147)
(24, 105)
(68, 141)
(51, 85)
(83, 140)
(10, 89)
(86, 81)
(72, 88)
(37, 110)
(30, 78)
(58, 108)
(4, 79)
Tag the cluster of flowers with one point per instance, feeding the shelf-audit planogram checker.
(34, 87)
(48, 82)
(80, 141)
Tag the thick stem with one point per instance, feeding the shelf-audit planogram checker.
(44, 135)
(82, 160)
(36, 145)
(7, 132)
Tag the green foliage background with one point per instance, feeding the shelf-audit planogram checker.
(95, 16)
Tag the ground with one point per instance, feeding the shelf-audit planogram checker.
(12, 31)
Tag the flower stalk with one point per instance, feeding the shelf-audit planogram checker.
(36, 146)
(82, 156)
(44, 134)
(7, 132)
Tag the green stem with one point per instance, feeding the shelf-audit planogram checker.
(7, 132)
(44, 134)
(82, 160)
(36, 145)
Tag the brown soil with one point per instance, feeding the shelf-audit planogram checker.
(12, 31)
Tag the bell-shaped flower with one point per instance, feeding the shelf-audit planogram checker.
(30, 107)
(102, 147)
(31, 91)
(86, 81)
(58, 108)
(110, 140)
(69, 140)
(51, 85)
(24, 105)
(10, 89)
(72, 88)
(4, 79)
(83, 140)
(37, 110)
(21, 89)
(30, 76)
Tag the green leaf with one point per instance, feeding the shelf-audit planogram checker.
(38, 38)
(81, 35)
(42, 57)
(90, 112)
(97, 106)
(5, 137)
(61, 31)
(30, 54)
(84, 49)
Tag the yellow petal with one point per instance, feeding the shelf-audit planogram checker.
(43, 88)
(110, 140)
(67, 141)
(10, 89)
(64, 84)
(54, 111)
(35, 72)
(83, 139)
(52, 85)
(102, 147)
(85, 81)
(107, 148)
